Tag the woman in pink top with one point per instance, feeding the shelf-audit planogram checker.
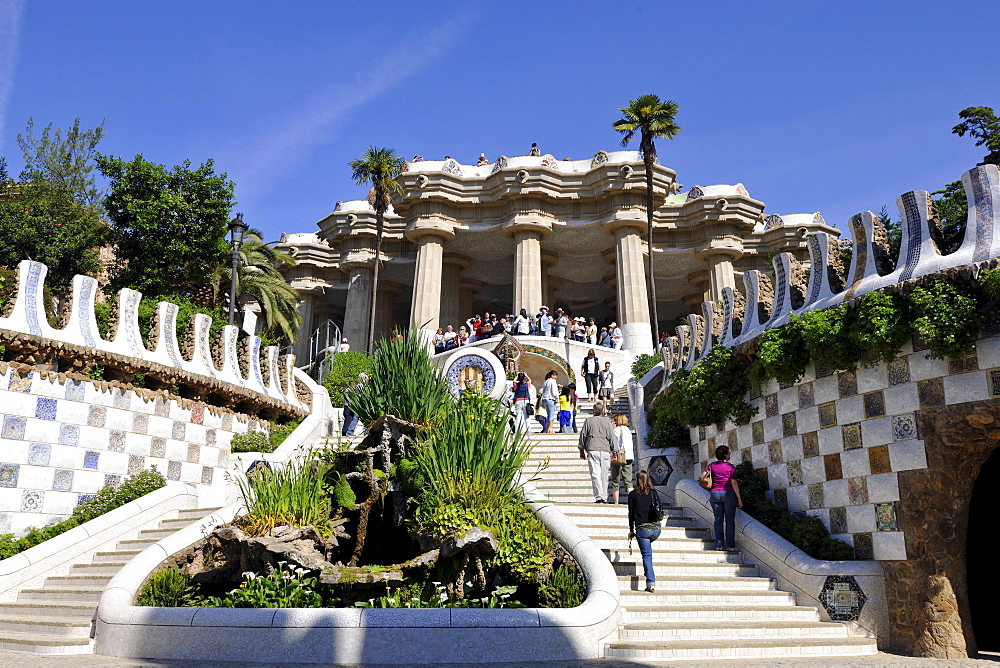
(725, 498)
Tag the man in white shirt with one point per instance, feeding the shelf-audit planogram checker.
(616, 336)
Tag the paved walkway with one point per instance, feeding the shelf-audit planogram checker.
(880, 661)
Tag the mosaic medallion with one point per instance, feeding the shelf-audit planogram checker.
(838, 520)
(810, 444)
(771, 405)
(842, 598)
(885, 517)
(852, 436)
(659, 470)
(471, 371)
(930, 392)
(828, 414)
(878, 459)
(788, 425)
(899, 371)
(904, 427)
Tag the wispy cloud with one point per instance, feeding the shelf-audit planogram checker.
(10, 30)
(300, 133)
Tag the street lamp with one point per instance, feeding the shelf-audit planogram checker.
(237, 228)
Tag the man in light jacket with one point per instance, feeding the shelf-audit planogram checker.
(595, 446)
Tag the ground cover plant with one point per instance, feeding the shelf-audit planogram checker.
(107, 499)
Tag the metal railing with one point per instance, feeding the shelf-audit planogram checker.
(314, 355)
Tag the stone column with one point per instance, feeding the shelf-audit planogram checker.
(721, 275)
(385, 307)
(306, 310)
(451, 278)
(359, 300)
(467, 289)
(527, 271)
(633, 303)
(425, 312)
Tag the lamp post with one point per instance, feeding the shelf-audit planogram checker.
(237, 228)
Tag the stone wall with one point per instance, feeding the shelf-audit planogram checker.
(62, 439)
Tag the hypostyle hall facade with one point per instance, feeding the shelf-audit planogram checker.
(531, 231)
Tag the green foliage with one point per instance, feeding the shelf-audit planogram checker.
(251, 441)
(63, 161)
(880, 327)
(565, 588)
(102, 311)
(168, 225)
(989, 281)
(526, 547)
(946, 318)
(38, 221)
(710, 392)
(664, 432)
(170, 588)
(403, 382)
(107, 499)
(8, 287)
(279, 432)
(186, 309)
(347, 367)
(419, 595)
(782, 354)
(290, 494)
(643, 363)
(805, 532)
(982, 124)
(827, 337)
(284, 587)
(407, 472)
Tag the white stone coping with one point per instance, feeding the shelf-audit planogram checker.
(56, 555)
(794, 569)
(353, 635)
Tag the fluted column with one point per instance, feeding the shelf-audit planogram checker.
(633, 303)
(721, 275)
(425, 312)
(385, 307)
(359, 299)
(451, 278)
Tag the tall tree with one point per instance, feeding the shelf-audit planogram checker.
(168, 225)
(653, 119)
(66, 162)
(982, 124)
(258, 279)
(379, 168)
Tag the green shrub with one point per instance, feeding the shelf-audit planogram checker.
(403, 382)
(565, 588)
(805, 532)
(251, 441)
(827, 336)
(8, 287)
(347, 367)
(946, 318)
(407, 472)
(880, 327)
(282, 588)
(643, 363)
(169, 588)
(291, 494)
(664, 432)
(711, 392)
(782, 355)
(279, 432)
(343, 495)
(107, 499)
(102, 311)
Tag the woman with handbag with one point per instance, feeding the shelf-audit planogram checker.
(522, 401)
(644, 517)
(724, 495)
(621, 459)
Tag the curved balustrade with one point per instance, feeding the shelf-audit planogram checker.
(262, 373)
(918, 256)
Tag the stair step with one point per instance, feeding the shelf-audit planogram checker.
(721, 584)
(154, 535)
(669, 569)
(77, 580)
(695, 556)
(639, 602)
(196, 513)
(77, 627)
(139, 544)
(114, 556)
(737, 631)
(667, 533)
(98, 569)
(49, 609)
(79, 594)
(715, 613)
(745, 649)
(38, 643)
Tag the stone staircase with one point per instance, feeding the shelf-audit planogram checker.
(708, 604)
(58, 617)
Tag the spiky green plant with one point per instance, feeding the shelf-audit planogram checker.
(292, 494)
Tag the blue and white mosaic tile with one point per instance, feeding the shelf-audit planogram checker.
(69, 434)
(45, 408)
(63, 480)
(91, 459)
(39, 454)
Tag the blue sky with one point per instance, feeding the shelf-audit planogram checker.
(830, 107)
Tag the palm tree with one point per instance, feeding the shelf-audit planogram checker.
(379, 167)
(258, 278)
(653, 119)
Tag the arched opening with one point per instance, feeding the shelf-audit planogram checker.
(536, 366)
(984, 585)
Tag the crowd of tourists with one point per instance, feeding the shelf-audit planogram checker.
(560, 325)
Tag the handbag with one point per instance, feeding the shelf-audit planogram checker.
(619, 458)
(655, 510)
(705, 480)
(529, 409)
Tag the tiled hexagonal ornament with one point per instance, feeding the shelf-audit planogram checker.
(899, 370)
(9, 474)
(659, 470)
(828, 414)
(885, 517)
(842, 598)
(904, 427)
(32, 500)
(847, 383)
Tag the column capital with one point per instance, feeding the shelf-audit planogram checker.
(516, 225)
(699, 279)
(549, 258)
(726, 246)
(613, 225)
(463, 261)
(429, 227)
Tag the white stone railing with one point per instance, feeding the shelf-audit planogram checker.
(918, 257)
(270, 380)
